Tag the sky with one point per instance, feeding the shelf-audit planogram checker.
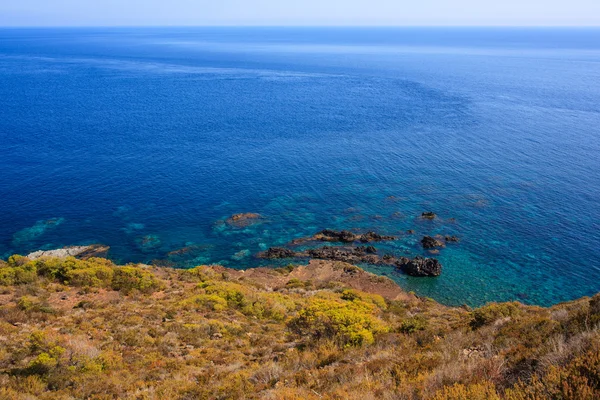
(300, 12)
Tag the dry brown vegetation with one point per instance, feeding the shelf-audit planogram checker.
(73, 329)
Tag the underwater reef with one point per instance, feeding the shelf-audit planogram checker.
(84, 328)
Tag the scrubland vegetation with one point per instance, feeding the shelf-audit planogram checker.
(74, 329)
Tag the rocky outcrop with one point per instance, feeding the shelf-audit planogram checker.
(452, 239)
(421, 267)
(428, 215)
(429, 242)
(81, 252)
(357, 255)
(374, 237)
(349, 255)
(330, 235)
(277, 253)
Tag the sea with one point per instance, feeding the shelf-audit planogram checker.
(148, 139)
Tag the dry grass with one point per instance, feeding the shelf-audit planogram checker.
(138, 332)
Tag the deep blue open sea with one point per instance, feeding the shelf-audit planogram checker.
(147, 139)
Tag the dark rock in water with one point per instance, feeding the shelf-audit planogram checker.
(429, 242)
(452, 239)
(410, 232)
(421, 267)
(329, 235)
(388, 257)
(350, 255)
(374, 237)
(277, 252)
(243, 220)
(428, 215)
(371, 250)
(418, 266)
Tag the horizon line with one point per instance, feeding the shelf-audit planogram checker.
(296, 26)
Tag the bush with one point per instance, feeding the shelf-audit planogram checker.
(45, 362)
(231, 292)
(210, 302)
(7, 276)
(201, 273)
(95, 276)
(17, 271)
(351, 323)
(131, 278)
(492, 312)
(413, 324)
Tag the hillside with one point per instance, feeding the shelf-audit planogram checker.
(88, 329)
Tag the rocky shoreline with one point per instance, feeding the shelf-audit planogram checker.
(342, 245)
(418, 266)
(81, 252)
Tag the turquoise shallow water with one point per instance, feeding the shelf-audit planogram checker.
(144, 139)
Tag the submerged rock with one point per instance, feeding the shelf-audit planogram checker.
(34, 232)
(148, 243)
(452, 239)
(429, 242)
(243, 220)
(81, 252)
(421, 267)
(240, 255)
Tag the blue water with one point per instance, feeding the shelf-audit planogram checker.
(147, 139)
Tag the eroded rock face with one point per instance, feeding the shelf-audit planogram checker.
(243, 219)
(81, 252)
(429, 242)
(421, 267)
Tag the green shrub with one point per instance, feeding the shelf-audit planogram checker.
(27, 303)
(17, 271)
(17, 260)
(210, 302)
(96, 276)
(26, 273)
(130, 278)
(7, 276)
(351, 323)
(413, 324)
(296, 283)
(46, 361)
(53, 268)
(201, 273)
(492, 312)
(232, 292)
